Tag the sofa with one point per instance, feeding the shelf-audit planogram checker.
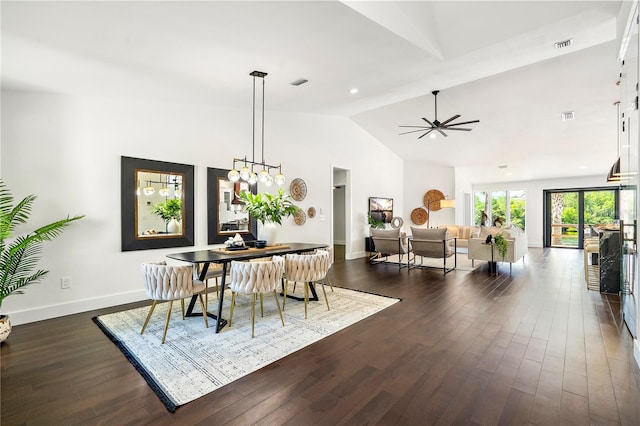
(462, 233)
(517, 247)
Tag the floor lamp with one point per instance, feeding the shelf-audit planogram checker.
(444, 204)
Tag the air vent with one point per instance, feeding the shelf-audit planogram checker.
(564, 43)
(569, 115)
(504, 166)
(299, 82)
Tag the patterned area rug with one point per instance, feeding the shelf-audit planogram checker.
(195, 361)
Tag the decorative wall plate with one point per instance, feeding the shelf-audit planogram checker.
(432, 199)
(298, 189)
(419, 216)
(311, 212)
(300, 218)
(397, 222)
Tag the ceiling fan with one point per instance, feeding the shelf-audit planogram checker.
(437, 125)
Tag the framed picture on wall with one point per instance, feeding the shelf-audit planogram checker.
(381, 208)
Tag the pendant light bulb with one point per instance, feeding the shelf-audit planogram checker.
(262, 176)
(164, 191)
(149, 190)
(177, 193)
(253, 178)
(280, 179)
(244, 173)
(233, 175)
(269, 181)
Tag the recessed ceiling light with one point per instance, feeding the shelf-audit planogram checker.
(583, 167)
(353, 91)
(509, 174)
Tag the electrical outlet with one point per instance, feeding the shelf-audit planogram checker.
(65, 282)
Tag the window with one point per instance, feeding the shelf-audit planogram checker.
(508, 206)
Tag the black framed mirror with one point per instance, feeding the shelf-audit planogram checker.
(226, 214)
(156, 204)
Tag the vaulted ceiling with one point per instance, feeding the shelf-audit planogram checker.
(494, 61)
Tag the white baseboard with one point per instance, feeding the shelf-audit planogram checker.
(636, 351)
(356, 255)
(53, 311)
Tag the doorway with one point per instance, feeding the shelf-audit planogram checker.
(571, 215)
(340, 223)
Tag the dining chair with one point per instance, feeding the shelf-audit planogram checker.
(307, 269)
(214, 271)
(255, 278)
(168, 283)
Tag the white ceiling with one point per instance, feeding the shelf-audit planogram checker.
(493, 61)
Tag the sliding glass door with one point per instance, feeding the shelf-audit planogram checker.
(573, 215)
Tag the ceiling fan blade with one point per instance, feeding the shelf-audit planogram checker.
(421, 136)
(430, 123)
(414, 131)
(422, 127)
(442, 133)
(464, 122)
(457, 128)
(451, 119)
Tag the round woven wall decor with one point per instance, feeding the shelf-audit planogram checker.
(432, 199)
(419, 216)
(300, 218)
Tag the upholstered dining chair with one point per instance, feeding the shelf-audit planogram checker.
(168, 283)
(307, 269)
(255, 278)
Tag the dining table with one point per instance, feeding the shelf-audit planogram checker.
(201, 259)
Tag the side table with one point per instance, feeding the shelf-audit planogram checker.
(492, 265)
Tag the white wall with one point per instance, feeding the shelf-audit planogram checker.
(534, 215)
(67, 150)
(420, 177)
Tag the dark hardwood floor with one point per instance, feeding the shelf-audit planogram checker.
(535, 347)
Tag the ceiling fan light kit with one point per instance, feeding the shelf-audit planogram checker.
(437, 125)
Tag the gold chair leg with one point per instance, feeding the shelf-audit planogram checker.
(233, 304)
(275, 295)
(261, 306)
(203, 306)
(166, 324)
(306, 298)
(330, 283)
(325, 296)
(153, 306)
(253, 314)
(182, 308)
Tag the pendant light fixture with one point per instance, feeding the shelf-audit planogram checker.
(247, 172)
(614, 173)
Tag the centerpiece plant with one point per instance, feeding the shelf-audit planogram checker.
(269, 207)
(170, 209)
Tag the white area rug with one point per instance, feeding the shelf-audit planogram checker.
(195, 361)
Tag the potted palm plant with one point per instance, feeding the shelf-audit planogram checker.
(269, 210)
(19, 255)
